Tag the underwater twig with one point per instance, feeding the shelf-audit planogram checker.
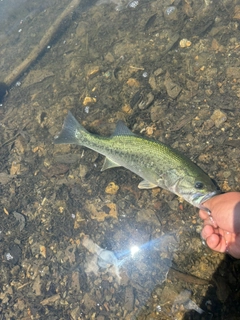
(175, 274)
(38, 49)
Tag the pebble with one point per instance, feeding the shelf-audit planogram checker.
(112, 188)
(129, 298)
(74, 314)
(184, 43)
(127, 109)
(109, 57)
(133, 83)
(21, 219)
(233, 72)
(93, 71)
(83, 171)
(89, 100)
(43, 251)
(15, 168)
(156, 113)
(5, 178)
(171, 13)
(152, 82)
(13, 254)
(158, 72)
(236, 12)
(173, 89)
(218, 117)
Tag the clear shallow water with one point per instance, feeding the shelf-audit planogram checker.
(130, 65)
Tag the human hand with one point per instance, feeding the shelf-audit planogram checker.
(221, 229)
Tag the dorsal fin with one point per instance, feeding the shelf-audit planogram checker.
(122, 130)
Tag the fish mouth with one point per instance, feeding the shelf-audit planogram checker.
(210, 195)
(199, 199)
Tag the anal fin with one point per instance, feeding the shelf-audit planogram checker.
(109, 164)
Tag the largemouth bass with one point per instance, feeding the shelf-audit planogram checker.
(158, 164)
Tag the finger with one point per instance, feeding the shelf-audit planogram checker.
(207, 218)
(214, 238)
(203, 214)
(225, 210)
(207, 231)
(217, 243)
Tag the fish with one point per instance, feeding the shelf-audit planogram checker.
(157, 163)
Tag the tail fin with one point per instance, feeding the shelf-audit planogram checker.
(71, 131)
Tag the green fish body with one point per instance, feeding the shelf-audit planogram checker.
(158, 164)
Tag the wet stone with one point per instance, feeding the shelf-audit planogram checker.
(236, 12)
(184, 43)
(75, 281)
(171, 13)
(75, 313)
(133, 83)
(15, 168)
(147, 216)
(152, 82)
(109, 57)
(89, 101)
(83, 171)
(129, 298)
(13, 255)
(5, 178)
(20, 218)
(172, 88)
(156, 113)
(208, 124)
(20, 144)
(55, 170)
(92, 71)
(81, 29)
(51, 300)
(158, 72)
(89, 303)
(169, 293)
(233, 72)
(112, 188)
(37, 286)
(218, 117)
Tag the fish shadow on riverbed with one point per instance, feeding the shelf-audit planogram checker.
(222, 298)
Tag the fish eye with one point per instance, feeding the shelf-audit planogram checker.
(199, 185)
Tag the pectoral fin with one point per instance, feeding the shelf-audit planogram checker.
(109, 164)
(146, 185)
